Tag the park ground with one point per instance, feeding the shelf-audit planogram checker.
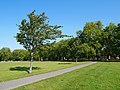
(15, 70)
(100, 76)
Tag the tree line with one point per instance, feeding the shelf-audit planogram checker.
(17, 55)
(94, 42)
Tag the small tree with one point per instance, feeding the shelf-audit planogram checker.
(36, 32)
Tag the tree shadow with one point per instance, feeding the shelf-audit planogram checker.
(23, 68)
(65, 63)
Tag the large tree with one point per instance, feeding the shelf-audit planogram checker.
(117, 44)
(36, 31)
(110, 39)
(91, 35)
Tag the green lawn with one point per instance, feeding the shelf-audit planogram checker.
(14, 70)
(100, 76)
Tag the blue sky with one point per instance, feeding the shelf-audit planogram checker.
(71, 14)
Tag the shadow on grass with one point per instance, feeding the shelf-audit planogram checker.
(64, 63)
(23, 68)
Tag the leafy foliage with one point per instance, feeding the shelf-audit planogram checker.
(5, 54)
(36, 32)
(20, 55)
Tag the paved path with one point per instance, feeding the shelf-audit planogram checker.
(27, 80)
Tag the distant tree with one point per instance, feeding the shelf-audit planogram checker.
(86, 50)
(109, 39)
(61, 49)
(91, 35)
(5, 54)
(20, 55)
(74, 49)
(117, 41)
(36, 32)
(71, 49)
(0, 56)
(52, 51)
(43, 52)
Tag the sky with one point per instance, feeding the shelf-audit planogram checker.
(71, 14)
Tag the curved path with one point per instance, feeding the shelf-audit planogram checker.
(27, 80)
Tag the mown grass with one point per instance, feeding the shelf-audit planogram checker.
(14, 70)
(100, 76)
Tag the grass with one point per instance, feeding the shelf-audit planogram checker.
(14, 70)
(100, 76)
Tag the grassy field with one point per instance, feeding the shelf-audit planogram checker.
(100, 76)
(14, 70)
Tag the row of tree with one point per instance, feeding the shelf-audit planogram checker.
(94, 42)
(17, 55)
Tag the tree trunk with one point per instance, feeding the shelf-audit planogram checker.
(39, 58)
(31, 56)
(76, 60)
(109, 57)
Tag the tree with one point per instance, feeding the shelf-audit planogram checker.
(20, 55)
(91, 35)
(109, 39)
(5, 54)
(82, 50)
(36, 32)
(86, 50)
(61, 49)
(0, 55)
(117, 37)
(71, 48)
(43, 52)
